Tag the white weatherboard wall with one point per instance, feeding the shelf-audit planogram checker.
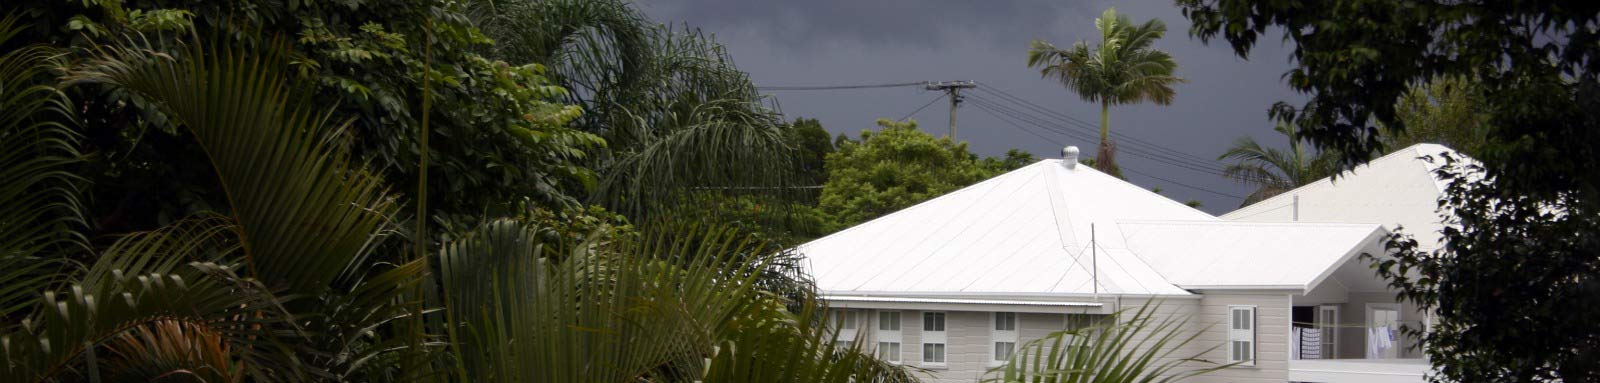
(969, 346)
(1272, 334)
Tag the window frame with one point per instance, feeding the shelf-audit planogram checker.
(1242, 328)
(894, 354)
(997, 336)
(937, 338)
(846, 325)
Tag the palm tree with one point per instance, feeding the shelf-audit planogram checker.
(290, 281)
(1274, 171)
(1138, 348)
(677, 116)
(1122, 69)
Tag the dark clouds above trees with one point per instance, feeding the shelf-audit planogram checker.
(825, 42)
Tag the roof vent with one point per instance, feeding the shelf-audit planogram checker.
(1069, 157)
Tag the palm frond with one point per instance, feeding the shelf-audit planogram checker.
(673, 306)
(306, 217)
(1136, 346)
(40, 214)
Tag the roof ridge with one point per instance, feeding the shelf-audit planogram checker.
(930, 200)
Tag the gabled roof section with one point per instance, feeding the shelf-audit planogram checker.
(1398, 189)
(1026, 232)
(1248, 255)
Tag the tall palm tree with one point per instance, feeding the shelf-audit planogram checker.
(1122, 69)
(1275, 171)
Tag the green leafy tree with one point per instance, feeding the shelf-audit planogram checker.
(1123, 68)
(367, 58)
(678, 117)
(893, 168)
(1013, 159)
(814, 144)
(1514, 280)
(290, 282)
(1450, 111)
(1273, 171)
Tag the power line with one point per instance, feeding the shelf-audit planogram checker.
(920, 108)
(1154, 156)
(998, 115)
(985, 109)
(1131, 170)
(1089, 125)
(837, 87)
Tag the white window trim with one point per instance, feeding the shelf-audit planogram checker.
(890, 336)
(997, 336)
(840, 318)
(935, 337)
(1330, 330)
(1248, 336)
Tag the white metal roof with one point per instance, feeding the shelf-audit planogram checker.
(1398, 189)
(1248, 255)
(1008, 302)
(1023, 232)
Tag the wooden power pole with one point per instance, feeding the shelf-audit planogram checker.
(953, 90)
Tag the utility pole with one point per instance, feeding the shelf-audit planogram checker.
(953, 90)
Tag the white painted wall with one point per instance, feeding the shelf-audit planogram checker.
(1272, 334)
(969, 344)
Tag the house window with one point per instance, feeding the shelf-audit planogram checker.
(844, 319)
(1003, 335)
(933, 338)
(845, 322)
(1242, 335)
(889, 336)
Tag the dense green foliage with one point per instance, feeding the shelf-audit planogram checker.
(1122, 69)
(367, 57)
(1513, 283)
(1273, 171)
(899, 166)
(814, 145)
(679, 119)
(290, 280)
(1449, 111)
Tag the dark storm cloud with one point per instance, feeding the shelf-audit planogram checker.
(826, 42)
(811, 24)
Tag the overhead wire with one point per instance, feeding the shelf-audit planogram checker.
(1029, 113)
(1045, 124)
(1080, 122)
(920, 108)
(986, 108)
(838, 87)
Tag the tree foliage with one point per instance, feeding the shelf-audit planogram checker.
(893, 168)
(1274, 171)
(1123, 68)
(494, 127)
(1449, 111)
(1518, 265)
(290, 280)
(679, 118)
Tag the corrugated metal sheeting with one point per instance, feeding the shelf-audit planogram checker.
(1028, 232)
(1396, 190)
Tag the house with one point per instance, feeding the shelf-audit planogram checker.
(1399, 191)
(956, 283)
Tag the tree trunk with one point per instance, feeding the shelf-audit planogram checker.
(1105, 159)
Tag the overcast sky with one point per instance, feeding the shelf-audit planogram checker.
(843, 42)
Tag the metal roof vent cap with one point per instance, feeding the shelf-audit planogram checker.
(1069, 157)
